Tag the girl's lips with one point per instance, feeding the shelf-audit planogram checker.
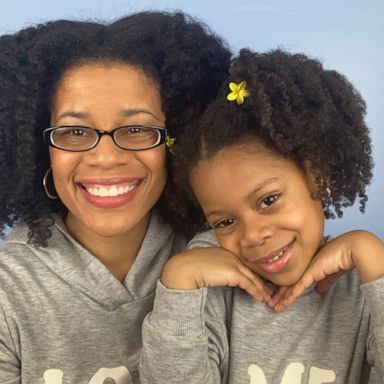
(109, 193)
(277, 260)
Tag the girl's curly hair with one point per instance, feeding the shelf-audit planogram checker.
(186, 60)
(298, 110)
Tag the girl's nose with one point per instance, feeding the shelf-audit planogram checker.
(256, 231)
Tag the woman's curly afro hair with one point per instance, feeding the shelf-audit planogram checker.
(298, 110)
(185, 59)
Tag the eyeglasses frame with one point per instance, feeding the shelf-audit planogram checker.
(47, 135)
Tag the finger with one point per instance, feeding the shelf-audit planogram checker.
(324, 285)
(280, 307)
(297, 290)
(256, 290)
(240, 277)
(282, 304)
(278, 296)
(309, 278)
(265, 291)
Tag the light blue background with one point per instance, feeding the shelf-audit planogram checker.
(347, 35)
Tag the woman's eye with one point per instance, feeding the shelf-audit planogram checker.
(76, 132)
(269, 200)
(223, 223)
(133, 130)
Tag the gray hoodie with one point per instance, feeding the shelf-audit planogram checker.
(65, 319)
(221, 335)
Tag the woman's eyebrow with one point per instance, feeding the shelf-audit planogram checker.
(75, 114)
(136, 111)
(124, 113)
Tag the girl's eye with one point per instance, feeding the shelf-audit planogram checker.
(223, 223)
(269, 200)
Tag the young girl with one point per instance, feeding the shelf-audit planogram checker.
(283, 147)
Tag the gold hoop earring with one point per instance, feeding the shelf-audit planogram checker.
(45, 184)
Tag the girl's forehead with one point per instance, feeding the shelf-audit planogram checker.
(235, 163)
(238, 176)
(250, 151)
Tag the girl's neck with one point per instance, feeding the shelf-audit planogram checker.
(117, 253)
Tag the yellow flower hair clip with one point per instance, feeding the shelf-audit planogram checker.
(238, 92)
(169, 142)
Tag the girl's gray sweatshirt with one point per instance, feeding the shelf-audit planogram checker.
(222, 335)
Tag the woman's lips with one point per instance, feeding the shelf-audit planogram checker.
(277, 260)
(110, 190)
(110, 193)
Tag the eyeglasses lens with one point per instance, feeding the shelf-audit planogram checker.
(137, 137)
(74, 138)
(83, 138)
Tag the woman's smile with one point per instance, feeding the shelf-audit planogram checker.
(107, 189)
(109, 193)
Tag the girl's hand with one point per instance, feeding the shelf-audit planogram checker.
(322, 286)
(212, 267)
(359, 249)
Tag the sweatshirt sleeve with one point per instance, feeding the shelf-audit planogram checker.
(374, 295)
(9, 363)
(183, 340)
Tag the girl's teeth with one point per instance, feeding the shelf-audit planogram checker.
(276, 257)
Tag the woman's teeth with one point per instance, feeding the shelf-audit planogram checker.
(110, 191)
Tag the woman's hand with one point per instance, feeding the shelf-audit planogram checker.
(360, 249)
(212, 267)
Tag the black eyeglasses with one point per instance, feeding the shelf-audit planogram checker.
(130, 137)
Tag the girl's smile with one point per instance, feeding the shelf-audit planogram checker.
(276, 261)
(261, 208)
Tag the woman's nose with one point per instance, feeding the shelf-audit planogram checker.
(107, 154)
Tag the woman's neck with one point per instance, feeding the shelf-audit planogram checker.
(118, 252)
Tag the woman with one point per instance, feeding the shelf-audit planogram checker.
(78, 273)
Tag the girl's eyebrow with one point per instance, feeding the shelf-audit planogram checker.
(260, 186)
